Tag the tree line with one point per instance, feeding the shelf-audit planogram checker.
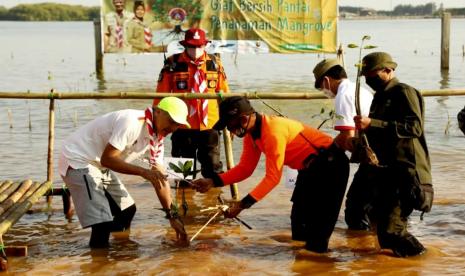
(429, 9)
(49, 12)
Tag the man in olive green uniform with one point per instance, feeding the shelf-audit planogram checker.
(402, 181)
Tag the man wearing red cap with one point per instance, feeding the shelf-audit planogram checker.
(195, 71)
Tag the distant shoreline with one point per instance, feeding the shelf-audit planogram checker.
(386, 17)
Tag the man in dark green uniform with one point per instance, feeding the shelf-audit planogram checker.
(402, 181)
(461, 120)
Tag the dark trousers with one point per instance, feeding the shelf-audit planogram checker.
(357, 200)
(200, 144)
(390, 211)
(317, 198)
(122, 219)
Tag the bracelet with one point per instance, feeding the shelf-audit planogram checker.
(172, 212)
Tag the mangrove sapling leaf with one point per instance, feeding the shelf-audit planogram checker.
(365, 153)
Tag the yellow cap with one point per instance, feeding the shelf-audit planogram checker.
(176, 108)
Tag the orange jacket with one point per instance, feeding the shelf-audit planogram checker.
(177, 76)
(281, 141)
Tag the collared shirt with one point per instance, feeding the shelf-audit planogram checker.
(344, 105)
(284, 142)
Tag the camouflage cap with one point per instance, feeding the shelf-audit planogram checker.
(376, 61)
(322, 67)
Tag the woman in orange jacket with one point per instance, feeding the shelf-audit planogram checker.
(323, 169)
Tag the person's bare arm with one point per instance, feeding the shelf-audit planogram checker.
(343, 139)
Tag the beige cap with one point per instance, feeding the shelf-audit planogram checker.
(322, 67)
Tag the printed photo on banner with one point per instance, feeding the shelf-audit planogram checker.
(262, 26)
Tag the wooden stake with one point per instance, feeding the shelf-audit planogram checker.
(445, 40)
(51, 140)
(205, 225)
(340, 55)
(98, 49)
(230, 160)
(10, 118)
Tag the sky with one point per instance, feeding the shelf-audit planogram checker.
(375, 4)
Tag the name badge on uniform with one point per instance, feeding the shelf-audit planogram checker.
(211, 83)
(181, 84)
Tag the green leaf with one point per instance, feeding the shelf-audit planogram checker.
(175, 168)
(187, 166)
(370, 47)
(366, 37)
(351, 45)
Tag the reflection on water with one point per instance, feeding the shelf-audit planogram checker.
(224, 247)
(444, 83)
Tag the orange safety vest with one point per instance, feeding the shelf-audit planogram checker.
(284, 142)
(177, 76)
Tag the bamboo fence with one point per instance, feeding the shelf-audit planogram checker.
(289, 95)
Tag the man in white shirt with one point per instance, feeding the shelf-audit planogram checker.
(331, 78)
(107, 144)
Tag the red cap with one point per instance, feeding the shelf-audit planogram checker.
(194, 38)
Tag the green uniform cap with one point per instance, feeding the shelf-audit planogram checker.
(377, 61)
(322, 67)
(176, 108)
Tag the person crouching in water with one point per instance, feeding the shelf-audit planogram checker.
(91, 156)
(323, 169)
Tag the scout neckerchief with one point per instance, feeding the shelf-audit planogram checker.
(200, 86)
(119, 36)
(147, 32)
(156, 146)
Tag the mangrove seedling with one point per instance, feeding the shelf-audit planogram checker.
(186, 170)
(362, 153)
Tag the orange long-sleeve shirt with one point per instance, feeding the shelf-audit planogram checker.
(284, 142)
(177, 76)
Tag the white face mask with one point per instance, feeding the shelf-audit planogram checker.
(328, 92)
(195, 53)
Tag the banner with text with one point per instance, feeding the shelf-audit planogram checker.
(260, 26)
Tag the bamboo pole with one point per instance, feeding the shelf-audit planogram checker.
(230, 160)
(5, 185)
(23, 207)
(24, 186)
(51, 140)
(23, 198)
(9, 191)
(189, 96)
(3, 260)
